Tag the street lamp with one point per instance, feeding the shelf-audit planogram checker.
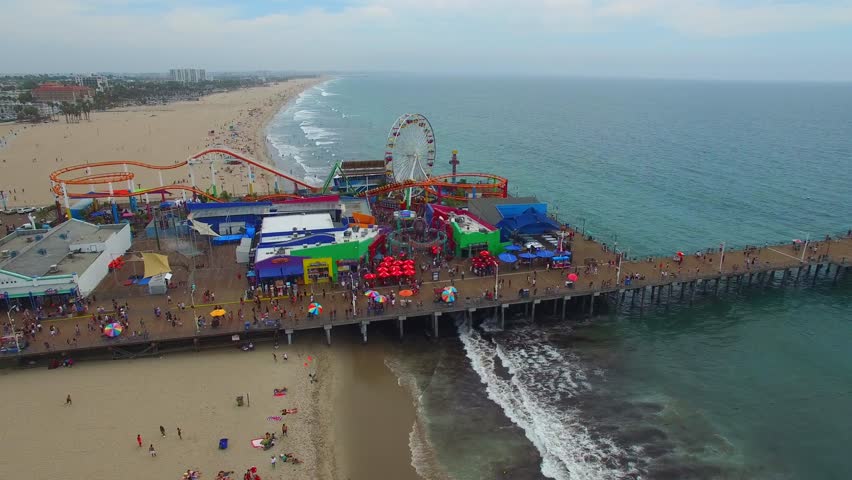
(721, 256)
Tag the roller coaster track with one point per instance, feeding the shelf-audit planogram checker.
(58, 177)
(434, 185)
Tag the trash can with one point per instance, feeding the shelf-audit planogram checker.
(223, 443)
(435, 275)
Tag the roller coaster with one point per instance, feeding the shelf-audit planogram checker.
(451, 186)
(459, 187)
(61, 182)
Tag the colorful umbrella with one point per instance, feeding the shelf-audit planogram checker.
(113, 330)
(573, 277)
(527, 256)
(315, 309)
(679, 254)
(448, 296)
(371, 293)
(545, 254)
(406, 293)
(451, 289)
(369, 276)
(218, 313)
(380, 299)
(484, 253)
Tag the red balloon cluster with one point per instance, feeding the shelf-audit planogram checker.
(391, 267)
(483, 260)
(116, 264)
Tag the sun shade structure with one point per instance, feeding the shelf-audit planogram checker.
(155, 264)
(203, 228)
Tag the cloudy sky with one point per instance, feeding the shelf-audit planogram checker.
(711, 39)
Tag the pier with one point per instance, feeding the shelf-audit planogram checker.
(534, 291)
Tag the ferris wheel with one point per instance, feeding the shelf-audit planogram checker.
(410, 152)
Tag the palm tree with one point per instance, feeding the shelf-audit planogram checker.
(65, 108)
(87, 107)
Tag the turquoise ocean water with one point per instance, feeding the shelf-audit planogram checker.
(750, 385)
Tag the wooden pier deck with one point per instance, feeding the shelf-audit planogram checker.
(774, 265)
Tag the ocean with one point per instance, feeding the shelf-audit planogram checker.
(751, 385)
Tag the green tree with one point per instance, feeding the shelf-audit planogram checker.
(26, 97)
(28, 84)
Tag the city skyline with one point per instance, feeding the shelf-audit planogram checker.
(688, 39)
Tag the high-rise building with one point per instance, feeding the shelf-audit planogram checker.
(188, 75)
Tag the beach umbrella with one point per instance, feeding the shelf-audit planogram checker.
(371, 293)
(507, 257)
(369, 276)
(513, 248)
(388, 259)
(544, 254)
(679, 254)
(527, 256)
(448, 297)
(796, 240)
(380, 299)
(573, 277)
(406, 293)
(113, 330)
(409, 272)
(384, 274)
(484, 253)
(315, 308)
(218, 313)
(451, 289)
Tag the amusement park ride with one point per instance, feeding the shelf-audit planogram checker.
(408, 180)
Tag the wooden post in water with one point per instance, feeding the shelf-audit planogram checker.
(532, 316)
(683, 286)
(727, 283)
(750, 277)
(503, 316)
(716, 288)
(632, 297)
(435, 316)
(400, 323)
(592, 304)
(816, 273)
(659, 293)
(564, 305)
(836, 274)
(671, 287)
(642, 300)
(652, 293)
(327, 329)
(692, 290)
(289, 336)
(798, 274)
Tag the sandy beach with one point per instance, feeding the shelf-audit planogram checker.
(95, 436)
(162, 134)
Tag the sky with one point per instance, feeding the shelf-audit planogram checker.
(777, 40)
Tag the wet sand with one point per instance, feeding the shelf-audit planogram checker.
(374, 414)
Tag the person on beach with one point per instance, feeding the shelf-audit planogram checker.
(139, 440)
(284, 429)
(68, 400)
(272, 461)
(162, 431)
(151, 451)
(180, 434)
(275, 357)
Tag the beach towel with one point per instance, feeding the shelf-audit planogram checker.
(279, 392)
(274, 418)
(256, 443)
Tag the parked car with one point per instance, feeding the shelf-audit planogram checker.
(10, 211)
(25, 210)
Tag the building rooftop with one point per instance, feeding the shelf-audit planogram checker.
(486, 207)
(363, 167)
(38, 250)
(286, 224)
(468, 224)
(339, 236)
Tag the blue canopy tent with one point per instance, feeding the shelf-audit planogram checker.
(544, 254)
(507, 257)
(513, 248)
(529, 222)
(527, 256)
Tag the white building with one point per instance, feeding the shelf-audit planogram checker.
(7, 109)
(188, 75)
(95, 82)
(70, 259)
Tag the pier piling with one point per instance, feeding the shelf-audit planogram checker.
(400, 324)
(289, 336)
(364, 331)
(503, 315)
(564, 305)
(435, 323)
(327, 334)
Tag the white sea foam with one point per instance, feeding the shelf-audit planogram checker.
(302, 115)
(317, 133)
(539, 376)
(324, 143)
